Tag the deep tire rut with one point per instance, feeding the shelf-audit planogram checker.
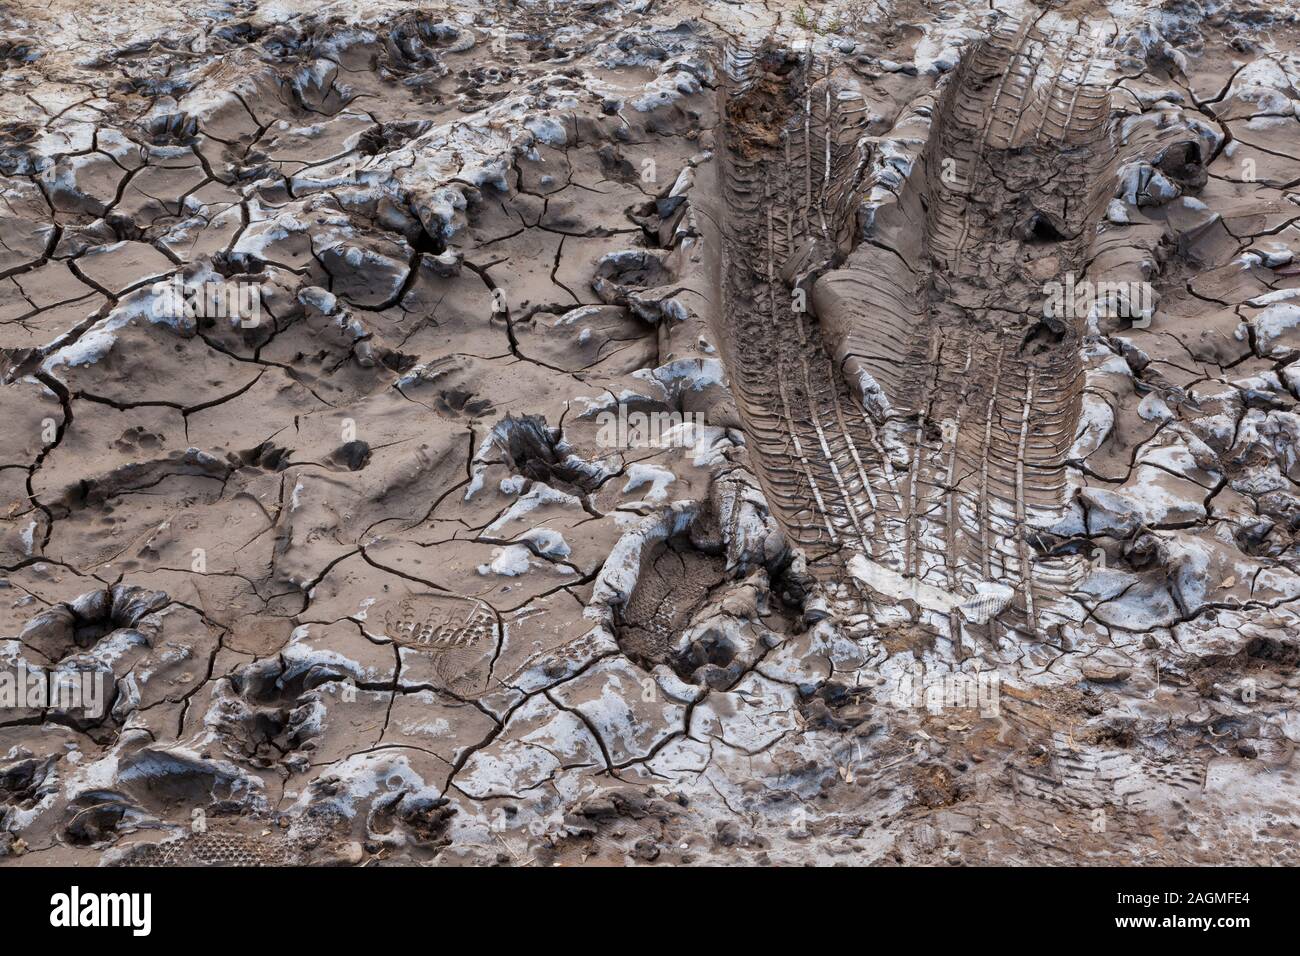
(918, 411)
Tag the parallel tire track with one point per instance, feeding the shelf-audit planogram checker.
(923, 421)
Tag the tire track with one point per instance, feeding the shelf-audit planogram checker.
(1029, 134)
(785, 142)
(919, 415)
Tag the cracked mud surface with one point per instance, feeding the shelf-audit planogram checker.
(313, 324)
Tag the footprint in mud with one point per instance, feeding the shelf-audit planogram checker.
(445, 385)
(537, 452)
(265, 717)
(122, 612)
(137, 438)
(25, 781)
(386, 137)
(444, 640)
(100, 815)
(353, 456)
(153, 784)
(171, 129)
(618, 273)
(424, 816)
(675, 582)
(458, 403)
(211, 848)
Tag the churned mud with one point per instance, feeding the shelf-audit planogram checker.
(649, 431)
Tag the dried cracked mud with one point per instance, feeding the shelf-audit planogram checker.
(650, 431)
